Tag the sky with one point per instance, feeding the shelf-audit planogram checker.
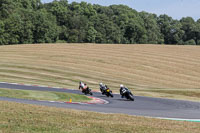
(174, 8)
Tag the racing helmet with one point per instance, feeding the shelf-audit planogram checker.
(101, 84)
(121, 86)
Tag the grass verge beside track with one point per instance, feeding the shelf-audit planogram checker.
(40, 95)
(16, 117)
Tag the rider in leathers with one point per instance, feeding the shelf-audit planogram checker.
(83, 86)
(103, 88)
(122, 87)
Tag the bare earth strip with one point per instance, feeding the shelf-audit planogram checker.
(147, 69)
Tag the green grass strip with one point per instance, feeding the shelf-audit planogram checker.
(42, 95)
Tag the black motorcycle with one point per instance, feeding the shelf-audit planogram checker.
(87, 91)
(106, 91)
(127, 93)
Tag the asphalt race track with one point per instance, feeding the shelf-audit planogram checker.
(142, 106)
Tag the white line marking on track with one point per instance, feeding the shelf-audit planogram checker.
(179, 119)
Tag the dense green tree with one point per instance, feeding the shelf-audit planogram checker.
(7, 7)
(197, 32)
(91, 35)
(26, 26)
(13, 26)
(153, 34)
(176, 33)
(80, 25)
(60, 10)
(171, 29)
(188, 26)
(73, 38)
(190, 42)
(45, 28)
(134, 32)
(30, 21)
(17, 17)
(100, 28)
(2, 34)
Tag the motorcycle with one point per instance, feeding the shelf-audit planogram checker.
(106, 92)
(87, 91)
(128, 95)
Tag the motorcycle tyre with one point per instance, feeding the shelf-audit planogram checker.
(111, 95)
(131, 97)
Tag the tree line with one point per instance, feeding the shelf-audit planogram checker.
(31, 21)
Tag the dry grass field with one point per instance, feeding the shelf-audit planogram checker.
(22, 118)
(149, 70)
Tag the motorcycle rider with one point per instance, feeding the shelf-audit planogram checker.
(82, 86)
(122, 89)
(103, 88)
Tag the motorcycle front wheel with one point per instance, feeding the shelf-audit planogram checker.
(111, 95)
(131, 97)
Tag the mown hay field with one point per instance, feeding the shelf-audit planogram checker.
(150, 70)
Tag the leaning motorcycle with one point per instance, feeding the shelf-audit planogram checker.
(128, 94)
(106, 92)
(87, 91)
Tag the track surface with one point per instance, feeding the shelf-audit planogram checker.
(142, 106)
